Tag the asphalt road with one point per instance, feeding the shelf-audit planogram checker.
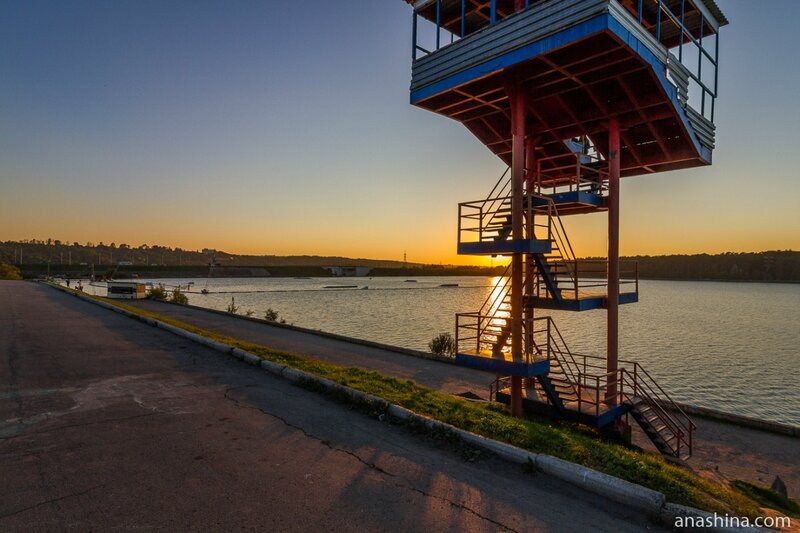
(721, 451)
(108, 424)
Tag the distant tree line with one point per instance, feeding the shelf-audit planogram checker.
(54, 251)
(747, 266)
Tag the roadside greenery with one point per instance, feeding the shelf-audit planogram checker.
(9, 272)
(178, 297)
(565, 440)
(443, 344)
(271, 315)
(232, 307)
(157, 293)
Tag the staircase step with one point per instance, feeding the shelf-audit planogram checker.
(659, 428)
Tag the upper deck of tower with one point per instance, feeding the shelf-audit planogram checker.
(651, 63)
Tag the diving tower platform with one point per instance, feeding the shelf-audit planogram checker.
(581, 61)
(571, 95)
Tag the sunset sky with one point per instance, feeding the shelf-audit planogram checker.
(285, 128)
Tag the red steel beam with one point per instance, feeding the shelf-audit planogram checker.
(612, 350)
(518, 116)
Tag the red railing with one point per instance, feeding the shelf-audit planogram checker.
(570, 172)
(578, 276)
(633, 385)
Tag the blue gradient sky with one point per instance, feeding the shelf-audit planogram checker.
(285, 128)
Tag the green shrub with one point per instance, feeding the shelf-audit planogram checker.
(443, 344)
(9, 272)
(232, 307)
(271, 315)
(178, 297)
(157, 293)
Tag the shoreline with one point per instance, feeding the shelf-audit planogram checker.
(177, 275)
(731, 451)
(772, 426)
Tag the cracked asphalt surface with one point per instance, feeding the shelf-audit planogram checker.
(109, 424)
(722, 451)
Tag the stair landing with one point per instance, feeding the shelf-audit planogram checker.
(583, 300)
(504, 247)
(591, 414)
(575, 202)
(503, 363)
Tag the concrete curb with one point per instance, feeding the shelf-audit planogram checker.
(695, 410)
(618, 490)
(642, 498)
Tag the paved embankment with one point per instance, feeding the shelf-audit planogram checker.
(107, 423)
(722, 450)
(430, 373)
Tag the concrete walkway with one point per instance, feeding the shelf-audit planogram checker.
(722, 451)
(107, 424)
(448, 378)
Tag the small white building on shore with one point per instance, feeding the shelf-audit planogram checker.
(126, 290)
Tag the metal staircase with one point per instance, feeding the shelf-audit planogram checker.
(555, 270)
(559, 385)
(558, 280)
(576, 387)
(490, 326)
(573, 96)
(665, 423)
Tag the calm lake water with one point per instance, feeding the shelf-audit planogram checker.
(728, 346)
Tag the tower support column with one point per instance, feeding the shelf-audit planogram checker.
(530, 179)
(612, 349)
(518, 115)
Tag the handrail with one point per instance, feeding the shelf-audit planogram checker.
(503, 175)
(558, 235)
(503, 276)
(681, 427)
(561, 351)
(641, 369)
(702, 55)
(590, 382)
(473, 326)
(481, 215)
(494, 386)
(574, 174)
(501, 196)
(589, 274)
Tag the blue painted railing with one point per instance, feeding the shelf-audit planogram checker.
(439, 36)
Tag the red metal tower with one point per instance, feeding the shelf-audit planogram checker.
(572, 95)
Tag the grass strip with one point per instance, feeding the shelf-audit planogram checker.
(768, 498)
(567, 441)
